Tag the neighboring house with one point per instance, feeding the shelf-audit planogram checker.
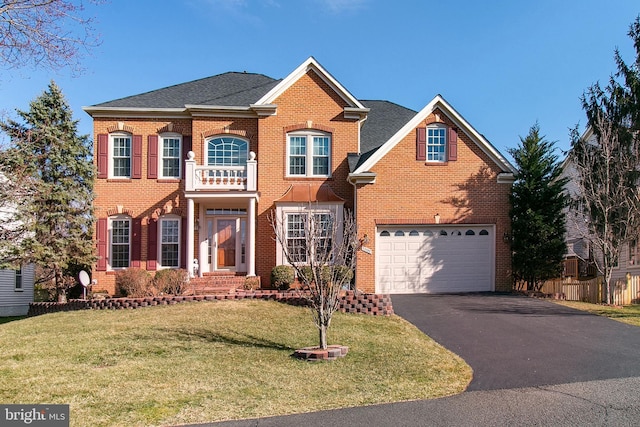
(189, 174)
(16, 291)
(16, 286)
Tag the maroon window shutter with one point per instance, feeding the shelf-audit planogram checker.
(152, 157)
(187, 145)
(183, 248)
(421, 144)
(453, 145)
(101, 244)
(152, 246)
(103, 155)
(136, 239)
(136, 168)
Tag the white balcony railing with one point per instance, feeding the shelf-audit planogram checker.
(214, 178)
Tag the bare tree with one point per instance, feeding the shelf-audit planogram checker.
(606, 198)
(49, 33)
(320, 245)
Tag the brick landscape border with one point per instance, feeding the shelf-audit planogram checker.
(351, 302)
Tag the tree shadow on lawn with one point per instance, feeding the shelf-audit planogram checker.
(231, 338)
(11, 319)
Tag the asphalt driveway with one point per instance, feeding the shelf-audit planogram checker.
(515, 342)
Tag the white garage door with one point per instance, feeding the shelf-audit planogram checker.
(435, 259)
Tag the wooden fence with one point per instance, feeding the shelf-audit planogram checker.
(624, 292)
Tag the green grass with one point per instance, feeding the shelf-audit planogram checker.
(628, 314)
(202, 362)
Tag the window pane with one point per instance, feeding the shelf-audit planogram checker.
(120, 243)
(297, 155)
(321, 155)
(296, 240)
(171, 157)
(436, 144)
(121, 157)
(170, 236)
(227, 152)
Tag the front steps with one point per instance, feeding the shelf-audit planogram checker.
(215, 283)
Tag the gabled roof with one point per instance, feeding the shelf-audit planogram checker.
(437, 103)
(310, 65)
(383, 121)
(228, 89)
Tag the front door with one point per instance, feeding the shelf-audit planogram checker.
(226, 250)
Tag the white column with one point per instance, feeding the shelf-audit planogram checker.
(251, 236)
(204, 242)
(190, 236)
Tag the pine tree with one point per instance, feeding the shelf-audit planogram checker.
(51, 195)
(537, 216)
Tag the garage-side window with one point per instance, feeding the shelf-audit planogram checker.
(385, 233)
(470, 233)
(484, 233)
(443, 233)
(414, 233)
(399, 233)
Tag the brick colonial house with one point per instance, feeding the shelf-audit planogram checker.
(188, 174)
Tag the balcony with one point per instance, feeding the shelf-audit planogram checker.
(203, 178)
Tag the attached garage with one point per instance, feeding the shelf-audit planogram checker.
(435, 258)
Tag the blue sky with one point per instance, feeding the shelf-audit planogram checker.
(503, 65)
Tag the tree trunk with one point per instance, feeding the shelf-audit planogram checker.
(322, 330)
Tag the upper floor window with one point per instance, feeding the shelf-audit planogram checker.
(227, 151)
(436, 143)
(170, 242)
(119, 241)
(170, 149)
(121, 155)
(308, 154)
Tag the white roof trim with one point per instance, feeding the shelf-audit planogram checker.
(452, 114)
(309, 64)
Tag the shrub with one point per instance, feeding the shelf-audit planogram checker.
(282, 276)
(134, 282)
(251, 283)
(342, 273)
(171, 281)
(337, 273)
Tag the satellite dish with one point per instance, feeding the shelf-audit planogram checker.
(83, 276)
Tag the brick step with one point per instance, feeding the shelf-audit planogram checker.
(214, 284)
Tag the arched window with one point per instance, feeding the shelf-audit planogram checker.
(470, 233)
(484, 233)
(227, 151)
(385, 233)
(399, 233)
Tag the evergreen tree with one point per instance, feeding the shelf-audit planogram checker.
(608, 166)
(51, 171)
(537, 215)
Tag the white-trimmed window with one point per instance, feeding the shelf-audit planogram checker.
(18, 282)
(436, 143)
(170, 156)
(309, 153)
(169, 242)
(119, 241)
(297, 222)
(120, 153)
(227, 151)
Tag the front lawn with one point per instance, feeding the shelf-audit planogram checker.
(628, 314)
(211, 361)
